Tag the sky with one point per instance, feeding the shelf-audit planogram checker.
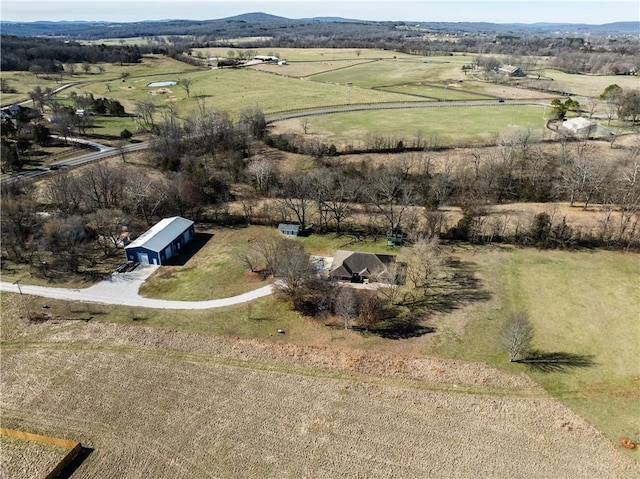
(595, 12)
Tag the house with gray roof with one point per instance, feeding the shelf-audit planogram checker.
(162, 241)
(358, 267)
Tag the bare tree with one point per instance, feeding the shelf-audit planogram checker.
(370, 310)
(185, 84)
(296, 195)
(304, 123)
(63, 192)
(262, 171)
(345, 305)
(425, 265)
(145, 110)
(107, 224)
(517, 335)
(293, 270)
(391, 195)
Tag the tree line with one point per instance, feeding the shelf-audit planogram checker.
(46, 55)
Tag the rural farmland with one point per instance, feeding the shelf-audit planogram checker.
(320, 248)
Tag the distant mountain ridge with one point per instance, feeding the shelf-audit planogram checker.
(256, 22)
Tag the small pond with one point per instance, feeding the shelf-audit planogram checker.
(162, 83)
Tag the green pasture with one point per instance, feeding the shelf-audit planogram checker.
(151, 66)
(301, 69)
(582, 303)
(438, 92)
(232, 89)
(392, 72)
(451, 125)
(591, 85)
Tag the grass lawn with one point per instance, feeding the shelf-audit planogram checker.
(581, 303)
(451, 125)
(214, 271)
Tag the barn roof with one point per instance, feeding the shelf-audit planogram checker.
(288, 227)
(584, 125)
(160, 235)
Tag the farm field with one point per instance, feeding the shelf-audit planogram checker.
(312, 54)
(590, 85)
(451, 126)
(167, 404)
(391, 72)
(231, 90)
(151, 65)
(596, 294)
(22, 458)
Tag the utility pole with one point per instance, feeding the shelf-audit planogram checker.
(24, 304)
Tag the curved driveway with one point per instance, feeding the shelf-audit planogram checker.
(122, 289)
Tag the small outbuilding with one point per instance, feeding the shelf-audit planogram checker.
(288, 230)
(511, 70)
(158, 244)
(585, 127)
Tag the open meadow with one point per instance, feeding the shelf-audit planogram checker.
(450, 126)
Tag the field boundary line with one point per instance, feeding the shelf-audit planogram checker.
(305, 370)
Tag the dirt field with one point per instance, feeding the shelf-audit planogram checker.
(157, 403)
(22, 458)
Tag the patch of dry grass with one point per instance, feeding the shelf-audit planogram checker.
(151, 407)
(21, 458)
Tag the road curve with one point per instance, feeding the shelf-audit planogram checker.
(121, 289)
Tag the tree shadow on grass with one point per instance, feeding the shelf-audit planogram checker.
(402, 329)
(556, 361)
(460, 289)
(189, 250)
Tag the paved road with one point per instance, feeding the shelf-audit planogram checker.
(122, 289)
(103, 152)
(106, 151)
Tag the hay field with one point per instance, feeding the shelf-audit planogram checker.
(154, 403)
(451, 126)
(591, 85)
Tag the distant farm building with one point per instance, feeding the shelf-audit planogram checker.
(511, 70)
(585, 127)
(288, 230)
(267, 58)
(359, 267)
(161, 242)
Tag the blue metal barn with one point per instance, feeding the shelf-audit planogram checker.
(161, 242)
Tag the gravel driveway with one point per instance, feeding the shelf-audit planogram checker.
(122, 289)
